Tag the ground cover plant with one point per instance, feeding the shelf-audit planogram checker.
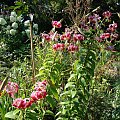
(67, 76)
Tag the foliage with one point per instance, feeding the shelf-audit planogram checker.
(73, 80)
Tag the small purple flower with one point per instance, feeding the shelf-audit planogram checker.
(111, 48)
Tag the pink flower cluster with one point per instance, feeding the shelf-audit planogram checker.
(58, 46)
(78, 37)
(22, 103)
(72, 48)
(95, 18)
(110, 30)
(11, 88)
(71, 38)
(66, 36)
(105, 35)
(107, 14)
(112, 27)
(46, 37)
(110, 33)
(39, 93)
(56, 24)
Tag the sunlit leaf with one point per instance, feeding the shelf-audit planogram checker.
(11, 115)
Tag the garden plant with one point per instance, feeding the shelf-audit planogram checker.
(71, 73)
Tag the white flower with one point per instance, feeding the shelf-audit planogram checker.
(12, 32)
(35, 26)
(2, 45)
(27, 32)
(13, 14)
(19, 18)
(35, 32)
(8, 27)
(23, 32)
(15, 25)
(27, 23)
(2, 21)
(12, 18)
(8, 32)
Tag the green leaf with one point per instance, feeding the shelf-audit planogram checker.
(69, 84)
(65, 103)
(83, 81)
(48, 112)
(32, 115)
(54, 91)
(92, 64)
(11, 115)
(51, 100)
(73, 93)
(82, 96)
(16, 111)
(60, 118)
(93, 54)
(11, 7)
(58, 114)
(90, 71)
(72, 76)
(17, 7)
(54, 76)
(65, 93)
(64, 111)
(19, 3)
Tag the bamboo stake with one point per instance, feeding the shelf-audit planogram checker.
(32, 48)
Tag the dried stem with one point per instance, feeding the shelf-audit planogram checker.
(77, 9)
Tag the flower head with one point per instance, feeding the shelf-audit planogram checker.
(72, 48)
(98, 39)
(40, 91)
(110, 48)
(15, 25)
(13, 14)
(22, 103)
(8, 27)
(39, 86)
(11, 88)
(7, 32)
(66, 36)
(105, 35)
(54, 35)
(94, 18)
(27, 23)
(12, 32)
(107, 14)
(56, 24)
(27, 32)
(112, 27)
(19, 18)
(46, 37)
(35, 26)
(36, 95)
(2, 21)
(58, 46)
(12, 18)
(78, 37)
